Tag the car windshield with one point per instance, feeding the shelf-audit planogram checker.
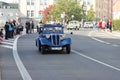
(73, 22)
(47, 30)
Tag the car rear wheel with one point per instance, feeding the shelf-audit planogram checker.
(68, 49)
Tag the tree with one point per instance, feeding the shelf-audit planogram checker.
(69, 7)
(90, 14)
(46, 12)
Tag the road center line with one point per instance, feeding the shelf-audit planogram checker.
(100, 40)
(100, 62)
(24, 73)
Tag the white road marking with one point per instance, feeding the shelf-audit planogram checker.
(5, 46)
(101, 41)
(115, 45)
(25, 75)
(10, 41)
(7, 43)
(95, 60)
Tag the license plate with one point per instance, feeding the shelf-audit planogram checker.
(56, 48)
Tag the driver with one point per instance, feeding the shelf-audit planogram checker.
(54, 29)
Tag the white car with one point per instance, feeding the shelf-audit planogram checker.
(73, 25)
(88, 25)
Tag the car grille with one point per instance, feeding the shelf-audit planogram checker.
(55, 39)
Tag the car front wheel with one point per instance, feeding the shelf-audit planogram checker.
(39, 47)
(68, 49)
(42, 49)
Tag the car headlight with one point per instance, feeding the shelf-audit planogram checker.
(47, 35)
(62, 36)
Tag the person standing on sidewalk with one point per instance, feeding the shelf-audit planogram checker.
(32, 25)
(27, 25)
(6, 30)
(110, 25)
(1, 35)
(39, 27)
(100, 24)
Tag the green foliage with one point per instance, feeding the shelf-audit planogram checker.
(90, 14)
(116, 25)
(70, 7)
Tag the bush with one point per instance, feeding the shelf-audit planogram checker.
(116, 25)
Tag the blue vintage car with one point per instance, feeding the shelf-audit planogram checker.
(52, 38)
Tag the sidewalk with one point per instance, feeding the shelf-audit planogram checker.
(105, 34)
(114, 33)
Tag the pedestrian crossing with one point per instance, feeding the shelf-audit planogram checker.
(7, 43)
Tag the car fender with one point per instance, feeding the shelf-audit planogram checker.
(44, 41)
(66, 41)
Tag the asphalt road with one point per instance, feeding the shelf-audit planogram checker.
(94, 56)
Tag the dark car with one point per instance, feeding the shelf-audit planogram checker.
(52, 38)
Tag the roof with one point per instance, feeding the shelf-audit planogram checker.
(12, 5)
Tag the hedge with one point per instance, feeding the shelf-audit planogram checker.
(116, 25)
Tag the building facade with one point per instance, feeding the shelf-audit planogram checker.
(102, 8)
(8, 11)
(116, 9)
(33, 8)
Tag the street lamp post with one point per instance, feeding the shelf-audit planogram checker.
(63, 18)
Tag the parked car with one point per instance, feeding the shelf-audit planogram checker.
(88, 25)
(52, 38)
(73, 25)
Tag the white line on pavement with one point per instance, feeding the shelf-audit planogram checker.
(5, 46)
(101, 41)
(95, 60)
(115, 45)
(25, 75)
(7, 43)
(10, 41)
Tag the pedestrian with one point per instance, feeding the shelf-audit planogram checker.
(15, 26)
(100, 24)
(39, 27)
(27, 26)
(1, 35)
(107, 25)
(103, 25)
(32, 25)
(11, 30)
(110, 25)
(6, 27)
(20, 28)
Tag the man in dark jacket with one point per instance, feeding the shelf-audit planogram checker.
(6, 30)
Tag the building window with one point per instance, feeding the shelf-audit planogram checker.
(28, 13)
(32, 2)
(28, 2)
(43, 2)
(32, 13)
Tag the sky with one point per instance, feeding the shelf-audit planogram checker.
(9, 1)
